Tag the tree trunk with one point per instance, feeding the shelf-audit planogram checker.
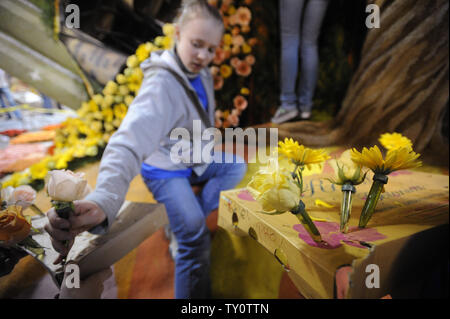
(401, 84)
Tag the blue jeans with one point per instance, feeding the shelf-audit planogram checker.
(187, 218)
(291, 41)
(5, 93)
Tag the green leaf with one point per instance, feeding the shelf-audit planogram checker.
(29, 242)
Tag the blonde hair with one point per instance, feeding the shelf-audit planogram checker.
(191, 9)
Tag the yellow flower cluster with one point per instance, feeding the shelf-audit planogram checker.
(348, 168)
(234, 60)
(98, 118)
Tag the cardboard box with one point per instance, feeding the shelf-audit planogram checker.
(408, 231)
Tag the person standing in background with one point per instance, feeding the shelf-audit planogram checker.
(295, 102)
(5, 93)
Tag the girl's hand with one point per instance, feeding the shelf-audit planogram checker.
(87, 215)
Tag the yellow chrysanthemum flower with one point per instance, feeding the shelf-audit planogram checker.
(168, 30)
(128, 100)
(123, 90)
(121, 79)
(39, 170)
(108, 115)
(80, 152)
(396, 159)
(107, 101)
(301, 155)
(227, 39)
(167, 43)
(132, 61)
(120, 110)
(97, 98)
(110, 88)
(274, 188)
(245, 91)
(225, 71)
(246, 49)
(92, 150)
(394, 140)
(346, 171)
(143, 52)
(231, 10)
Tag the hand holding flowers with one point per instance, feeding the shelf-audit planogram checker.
(64, 187)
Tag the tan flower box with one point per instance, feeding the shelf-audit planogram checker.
(406, 234)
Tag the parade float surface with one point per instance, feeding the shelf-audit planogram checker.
(403, 237)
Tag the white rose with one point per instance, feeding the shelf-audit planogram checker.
(64, 185)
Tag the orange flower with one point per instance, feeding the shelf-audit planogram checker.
(248, 2)
(245, 29)
(220, 56)
(243, 69)
(218, 114)
(240, 102)
(238, 40)
(227, 52)
(13, 226)
(234, 19)
(218, 123)
(214, 70)
(235, 31)
(234, 62)
(226, 22)
(233, 119)
(244, 16)
(235, 50)
(224, 7)
(253, 41)
(250, 59)
(218, 82)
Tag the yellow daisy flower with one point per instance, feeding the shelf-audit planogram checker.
(301, 155)
(396, 159)
(394, 140)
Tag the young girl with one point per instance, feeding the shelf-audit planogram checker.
(176, 91)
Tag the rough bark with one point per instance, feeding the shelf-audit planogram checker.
(400, 85)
